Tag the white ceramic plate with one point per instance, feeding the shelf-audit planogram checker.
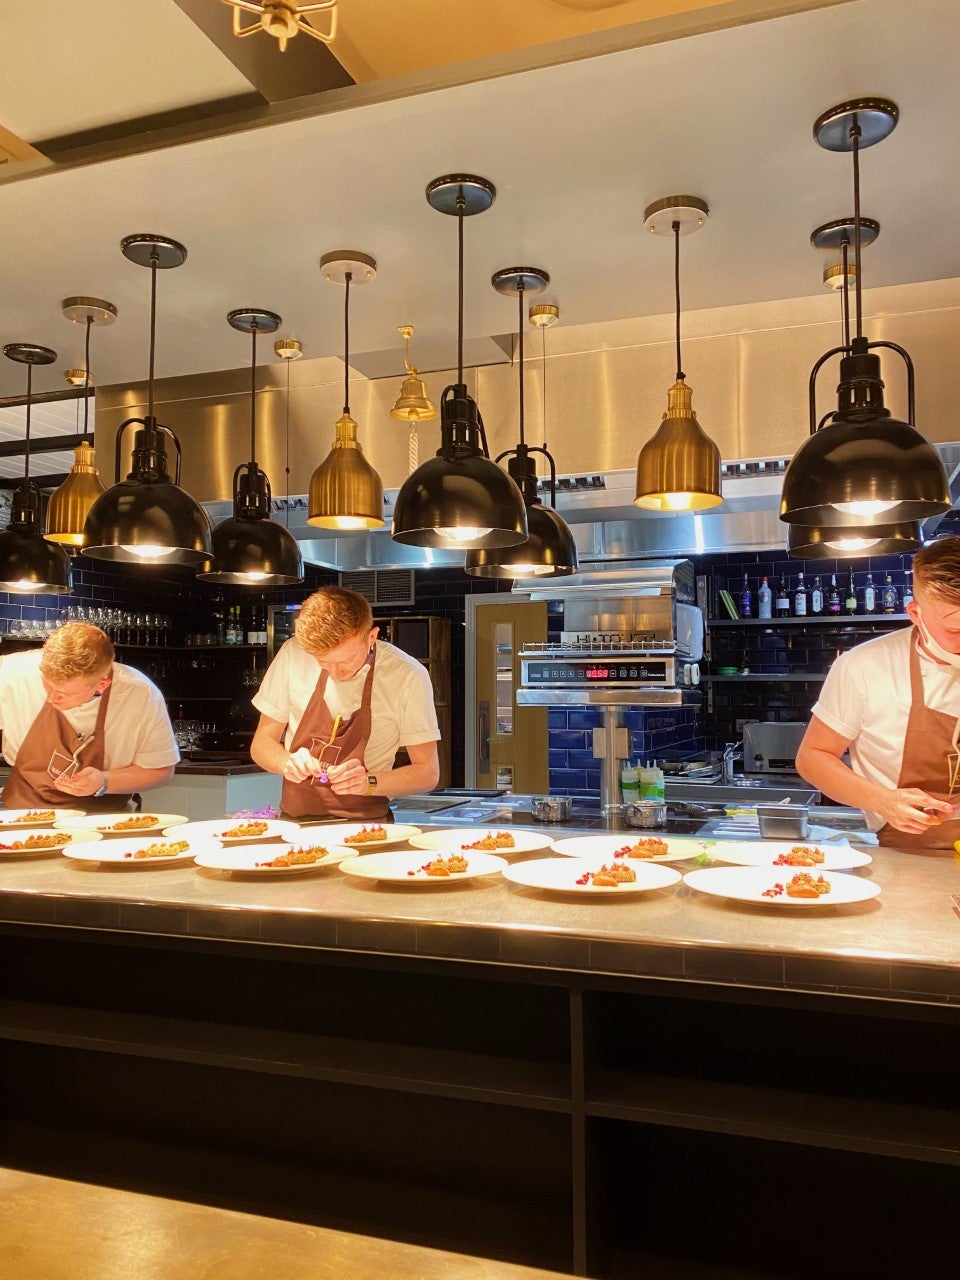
(454, 839)
(28, 817)
(60, 839)
(214, 829)
(603, 848)
(124, 852)
(337, 832)
(407, 868)
(747, 884)
(560, 875)
(106, 822)
(245, 858)
(764, 853)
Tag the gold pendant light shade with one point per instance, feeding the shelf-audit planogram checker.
(413, 403)
(679, 468)
(345, 491)
(70, 505)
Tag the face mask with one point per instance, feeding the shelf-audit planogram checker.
(937, 650)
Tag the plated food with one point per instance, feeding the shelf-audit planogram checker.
(139, 851)
(789, 853)
(633, 848)
(39, 817)
(32, 843)
(414, 869)
(360, 835)
(124, 823)
(237, 831)
(765, 885)
(578, 876)
(486, 839)
(271, 860)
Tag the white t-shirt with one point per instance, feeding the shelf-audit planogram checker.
(866, 699)
(402, 712)
(137, 728)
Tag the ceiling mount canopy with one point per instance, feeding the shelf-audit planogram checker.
(70, 504)
(284, 19)
(147, 518)
(345, 491)
(460, 498)
(250, 549)
(860, 466)
(28, 563)
(549, 550)
(679, 467)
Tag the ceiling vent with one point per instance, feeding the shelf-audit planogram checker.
(381, 586)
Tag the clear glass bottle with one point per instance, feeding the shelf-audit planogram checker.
(765, 600)
(800, 598)
(907, 589)
(869, 596)
(888, 595)
(816, 597)
(833, 596)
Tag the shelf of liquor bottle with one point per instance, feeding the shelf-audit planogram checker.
(766, 677)
(185, 648)
(792, 620)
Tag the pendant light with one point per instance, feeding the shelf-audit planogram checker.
(345, 491)
(28, 563)
(460, 498)
(815, 542)
(549, 551)
(69, 506)
(860, 465)
(148, 518)
(679, 467)
(250, 549)
(413, 404)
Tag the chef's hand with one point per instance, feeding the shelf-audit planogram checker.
(910, 809)
(85, 782)
(348, 778)
(301, 765)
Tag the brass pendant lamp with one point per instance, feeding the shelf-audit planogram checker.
(860, 465)
(345, 491)
(460, 498)
(28, 563)
(413, 403)
(70, 504)
(679, 467)
(147, 518)
(250, 549)
(549, 551)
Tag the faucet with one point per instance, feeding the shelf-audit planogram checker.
(731, 752)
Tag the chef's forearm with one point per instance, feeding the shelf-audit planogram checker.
(134, 777)
(407, 779)
(269, 754)
(837, 780)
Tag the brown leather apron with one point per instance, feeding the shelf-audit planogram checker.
(314, 799)
(30, 785)
(927, 744)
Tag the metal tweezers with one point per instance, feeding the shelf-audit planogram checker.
(955, 899)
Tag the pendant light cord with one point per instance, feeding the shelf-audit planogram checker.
(86, 376)
(253, 393)
(348, 276)
(154, 260)
(26, 451)
(461, 205)
(845, 293)
(286, 468)
(676, 285)
(543, 378)
(855, 148)
(520, 353)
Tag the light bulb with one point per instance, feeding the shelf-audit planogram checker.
(867, 507)
(463, 533)
(852, 544)
(150, 551)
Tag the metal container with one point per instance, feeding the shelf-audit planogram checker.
(783, 821)
(551, 808)
(647, 813)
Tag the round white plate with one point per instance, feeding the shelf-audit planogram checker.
(106, 823)
(764, 853)
(337, 833)
(28, 817)
(61, 839)
(604, 848)
(747, 884)
(244, 858)
(123, 851)
(215, 828)
(454, 840)
(407, 868)
(560, 875)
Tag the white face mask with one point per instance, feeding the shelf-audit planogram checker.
(935, 649)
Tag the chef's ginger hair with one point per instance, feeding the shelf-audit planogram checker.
(76, 649)
(329, 617)
(936, 569)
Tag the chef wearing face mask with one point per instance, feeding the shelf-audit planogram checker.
(894, 702)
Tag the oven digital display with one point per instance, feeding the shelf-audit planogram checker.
(588, 671)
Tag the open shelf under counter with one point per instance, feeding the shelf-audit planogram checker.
(835, 619)
(766, 678)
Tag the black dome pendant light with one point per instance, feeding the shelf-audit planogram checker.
(250, 549)
(28, 563)
(147, 518)
(860, 465)
(460, 498)
(549, 550)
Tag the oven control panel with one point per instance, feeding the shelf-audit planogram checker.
(588, 672)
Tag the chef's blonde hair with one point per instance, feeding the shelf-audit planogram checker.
(77, 649)
(936, 569)
(331, 616)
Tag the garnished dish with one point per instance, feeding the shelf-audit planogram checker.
(244, 831)
(829, 856)
(40, 840)
(160, 849)
(302, 857)
(759, 885)
(493, 840)
(616, 873)
(35, 817)
(367, 835)
(136, 822)
(598, 849)
(287, 859)
(122, 823)
(455, 865)
(596, 877)
(374, 835)
(801, 855)
(647, 847)
(456, 839)
(144, 853)
(213, 832)
(410, 868)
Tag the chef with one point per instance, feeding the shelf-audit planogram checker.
(894, 703)
(336, 705)
(79, 726)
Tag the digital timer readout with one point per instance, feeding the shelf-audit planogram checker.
(576, 673)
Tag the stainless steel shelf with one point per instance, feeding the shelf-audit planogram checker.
(811, 618)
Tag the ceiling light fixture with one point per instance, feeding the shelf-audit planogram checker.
(345, 491)
(413, 403)
(679, 467)
(28, 563)
(148, 518)
(283, 19)
(549, 550)
(69, 505)
(460, 498)
(860, 465)
(250, 549)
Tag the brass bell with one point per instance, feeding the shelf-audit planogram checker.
(413, 403)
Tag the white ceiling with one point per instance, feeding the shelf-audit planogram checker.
(576, 151)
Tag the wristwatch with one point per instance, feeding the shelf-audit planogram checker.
(103, 789)
(371, 784)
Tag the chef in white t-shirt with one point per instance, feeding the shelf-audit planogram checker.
(894, 703)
